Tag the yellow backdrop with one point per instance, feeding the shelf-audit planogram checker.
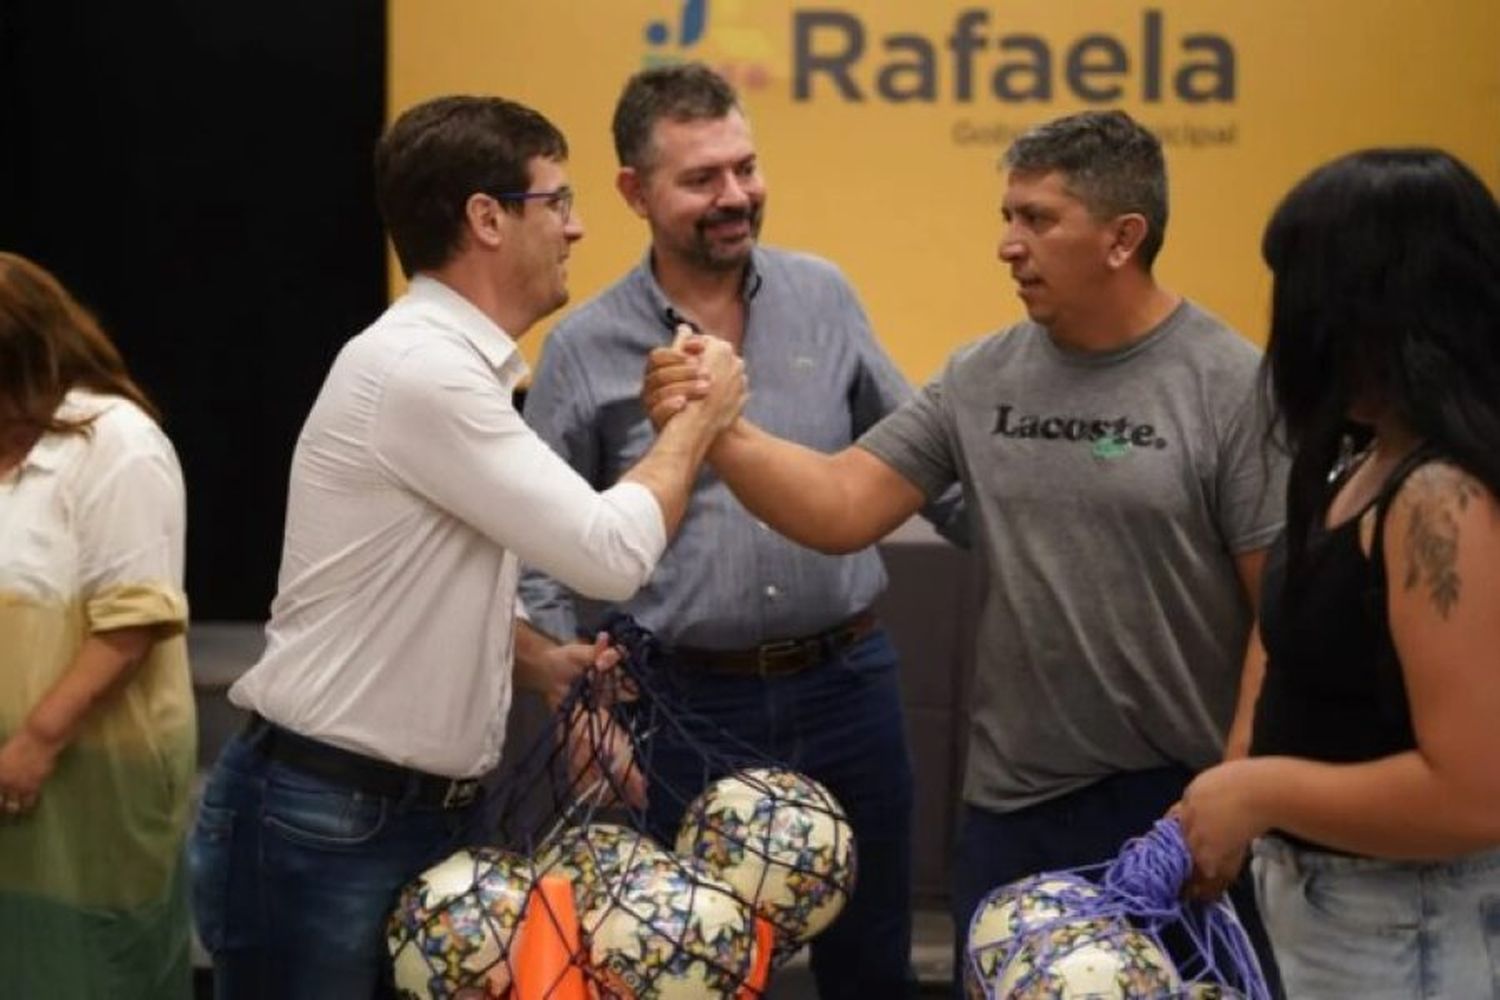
(879, 123)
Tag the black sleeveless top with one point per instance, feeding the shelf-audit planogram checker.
(1333, 688)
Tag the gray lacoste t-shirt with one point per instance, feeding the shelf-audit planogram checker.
(1108, 494)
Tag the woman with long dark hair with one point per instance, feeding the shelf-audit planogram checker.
(1373, 783)
(97, 731)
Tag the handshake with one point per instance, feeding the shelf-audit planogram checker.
(700, 376)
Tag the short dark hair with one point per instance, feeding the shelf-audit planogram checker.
(1385, 269)
(682, 92)
(1110, 162)
(439, 153)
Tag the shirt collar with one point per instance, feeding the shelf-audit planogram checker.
(50, 451)
(662, 307)
(497, 347)
(47, 454)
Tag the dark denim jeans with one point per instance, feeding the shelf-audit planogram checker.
(1085, 827)
(840, 723)
(293, 878)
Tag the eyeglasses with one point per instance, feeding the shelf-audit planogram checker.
(559, 200)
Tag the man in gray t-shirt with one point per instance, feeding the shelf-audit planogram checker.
(1111, 452)
(1115, 496)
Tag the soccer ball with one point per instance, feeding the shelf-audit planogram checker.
(781, 840)
(664, 928)
(1101, 958)
(453, 925)
(1011, 911)
(591, 855)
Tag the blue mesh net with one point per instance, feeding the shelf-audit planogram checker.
(761, 860)
(1115, 931)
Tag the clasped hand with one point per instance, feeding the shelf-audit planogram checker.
(695, 369)
(1219, 820)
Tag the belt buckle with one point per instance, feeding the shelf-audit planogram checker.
(460, 792)
(769, 652)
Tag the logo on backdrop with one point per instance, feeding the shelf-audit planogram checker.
(982, 64)
(739, 53)
(690, 27)
(1000, 77)
(980, 61)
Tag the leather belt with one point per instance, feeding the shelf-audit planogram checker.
(356, 771)
(774, 659)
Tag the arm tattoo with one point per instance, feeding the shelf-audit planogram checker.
(1432, 537)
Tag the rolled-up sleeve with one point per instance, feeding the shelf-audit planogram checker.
(447, 430)
(131, 523)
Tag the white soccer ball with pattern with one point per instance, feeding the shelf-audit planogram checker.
(781, 840)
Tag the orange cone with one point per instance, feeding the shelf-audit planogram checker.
(547, 949)
(765, 943)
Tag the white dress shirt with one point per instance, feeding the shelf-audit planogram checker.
(91, 540)
(415, 489)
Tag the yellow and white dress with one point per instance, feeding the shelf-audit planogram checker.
(92, 885)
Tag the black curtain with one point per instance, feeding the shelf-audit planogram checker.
(199, 175)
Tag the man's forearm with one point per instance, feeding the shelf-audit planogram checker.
(790, 487)
(1252, 675)
(670, 468)
(1250, 567)
(530, 657)
(833, 503)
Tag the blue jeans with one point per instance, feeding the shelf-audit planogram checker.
(840, 723)
(1381, 930)
(294, 876)
(1084, 827)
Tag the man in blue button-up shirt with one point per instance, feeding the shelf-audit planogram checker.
(729, 586)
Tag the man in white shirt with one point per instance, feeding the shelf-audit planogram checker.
(415, 491)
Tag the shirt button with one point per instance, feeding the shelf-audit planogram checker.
(772, 592)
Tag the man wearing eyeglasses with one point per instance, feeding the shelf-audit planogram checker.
(773, 645)
(415, 491)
